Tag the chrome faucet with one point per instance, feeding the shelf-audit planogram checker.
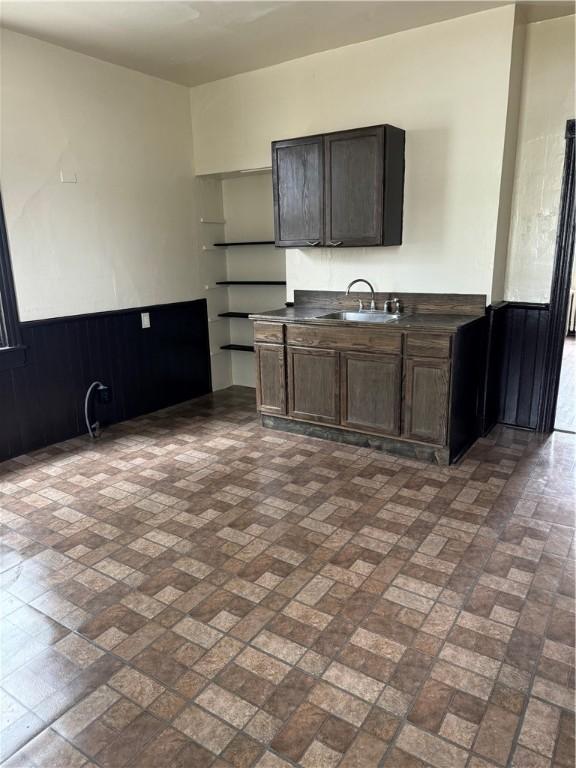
(360, 305)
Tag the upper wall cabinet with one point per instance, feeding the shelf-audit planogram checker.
(340, 189)
(298, 184)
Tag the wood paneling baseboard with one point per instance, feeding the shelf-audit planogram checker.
(42, 402)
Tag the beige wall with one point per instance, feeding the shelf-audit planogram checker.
(446, 84)
(124, 235)
(547, 101)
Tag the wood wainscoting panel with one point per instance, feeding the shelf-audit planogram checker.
(521, 353)
(42, 402)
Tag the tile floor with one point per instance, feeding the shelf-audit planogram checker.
(193, 590)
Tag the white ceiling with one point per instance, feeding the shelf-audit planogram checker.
(197, 42)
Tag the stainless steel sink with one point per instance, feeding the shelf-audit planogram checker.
(367, 316)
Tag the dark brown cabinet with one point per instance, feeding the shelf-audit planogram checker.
(415, 392)
(426, 406)
(339, 189)
(313, 385)
(371, 392)
(354, 187)
(271, 378)
(298, 173)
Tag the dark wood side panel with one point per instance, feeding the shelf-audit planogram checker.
(394, 147)
(371, 392)
(270, 378)
(345, 337)
(42, 402)
(496, 319)
(313, 385)
(467, 389)
(298, 188)
(520, 361)
(426, 390)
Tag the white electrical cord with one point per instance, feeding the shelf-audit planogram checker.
(91, 427)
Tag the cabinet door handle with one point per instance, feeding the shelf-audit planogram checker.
(335, 242)
(313, 242)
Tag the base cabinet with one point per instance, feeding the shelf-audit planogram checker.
(271, 378)
(313, 385)
(426, 405)
(416, 393)
(371, 392)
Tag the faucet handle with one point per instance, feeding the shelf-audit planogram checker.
(397, 305)
(388, 305)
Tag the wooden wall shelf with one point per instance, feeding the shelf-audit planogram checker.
(248, 242)
(250, 282)
(238, 347)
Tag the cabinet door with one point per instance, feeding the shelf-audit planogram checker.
(370, 392)
(298, 184)
(313, 385)
(354, 187)
(426, 403)
(270, 378)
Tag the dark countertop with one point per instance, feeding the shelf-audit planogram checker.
(313, 315)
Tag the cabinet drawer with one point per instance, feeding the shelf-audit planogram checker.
(427, 345)
(349, 338)
(272, 333)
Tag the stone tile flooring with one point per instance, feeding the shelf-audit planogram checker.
(193, 590)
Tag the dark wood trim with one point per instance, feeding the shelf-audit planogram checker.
(108, 313)
(10, 335)
(560, 292)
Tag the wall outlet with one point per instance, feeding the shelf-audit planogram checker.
(145, 319)
(104, 394)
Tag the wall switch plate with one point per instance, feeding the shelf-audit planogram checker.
(145, 319)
